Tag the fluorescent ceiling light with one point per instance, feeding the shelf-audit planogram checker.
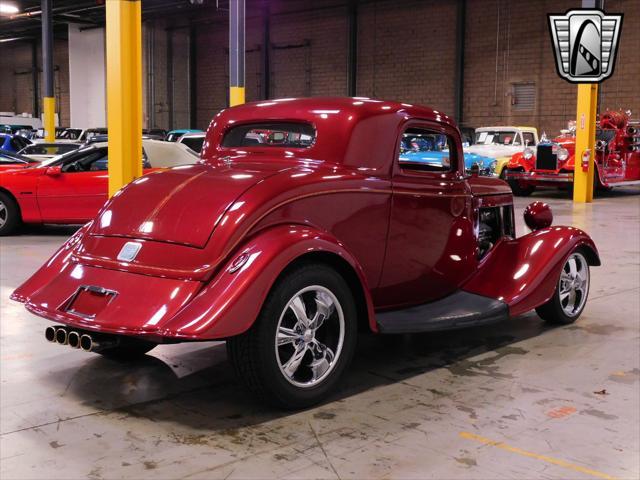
(6, 8)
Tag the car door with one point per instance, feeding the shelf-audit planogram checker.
(431, 242)
(74, 192)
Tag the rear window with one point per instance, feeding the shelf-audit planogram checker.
(270, 134)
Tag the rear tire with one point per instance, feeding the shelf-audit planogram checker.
(9, 215)
(128, 349)
(305, 336)
(518, 190)
(570, 296)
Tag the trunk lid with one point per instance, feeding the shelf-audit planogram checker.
(182, 205)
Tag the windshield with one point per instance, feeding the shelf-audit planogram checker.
(49, 149)
(496, 138)
(61, 158)
(606, 135)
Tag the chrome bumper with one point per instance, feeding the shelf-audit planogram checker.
(564, 177)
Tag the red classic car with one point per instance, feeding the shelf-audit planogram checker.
(617, 158)
(285, 250)
(72, 187)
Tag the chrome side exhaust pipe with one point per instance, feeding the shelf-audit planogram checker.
(73, 339)
(90, 343)
(61, 336)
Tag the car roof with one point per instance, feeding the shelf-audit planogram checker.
(349, 130)
(505, 128)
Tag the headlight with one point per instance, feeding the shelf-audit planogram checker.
(528, 153)
(563, 154)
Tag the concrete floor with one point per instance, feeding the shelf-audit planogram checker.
(516, 400)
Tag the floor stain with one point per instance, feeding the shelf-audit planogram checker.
(324, 415)
(627, 377)
(598, 413)
(561, 412)
(55, 444)
(472, 413)
(149, 465)
(468, 462)
(486, 366)
(597, 329)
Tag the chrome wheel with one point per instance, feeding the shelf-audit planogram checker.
(4, 213)
(573, 286)
(309, 336)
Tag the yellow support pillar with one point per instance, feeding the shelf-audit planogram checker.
(585, 141)
(236, 96)
(49, 104)
(124, 91)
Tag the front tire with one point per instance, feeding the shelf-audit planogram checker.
(303, 340)
(518, 189)
(570, 297)
(9, 215)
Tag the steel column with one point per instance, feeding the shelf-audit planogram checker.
(352, 52)
(49, 101)
(266, 50)
(124, 91)
(236, 52)
(193, 77)
(460, 46)
(34, 79)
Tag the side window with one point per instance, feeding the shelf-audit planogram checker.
(94, 161)
(426, 150)
(528, 138)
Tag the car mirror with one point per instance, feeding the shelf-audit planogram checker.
(54, 171)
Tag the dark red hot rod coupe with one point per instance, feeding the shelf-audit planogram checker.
(551, 164)
(285, 245)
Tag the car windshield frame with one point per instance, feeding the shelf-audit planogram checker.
(482, 136)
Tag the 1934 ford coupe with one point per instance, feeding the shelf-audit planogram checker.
(302, 224)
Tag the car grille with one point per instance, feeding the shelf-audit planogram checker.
(545, 158)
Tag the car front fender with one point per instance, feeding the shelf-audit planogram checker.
(232, 300)
(523, 273)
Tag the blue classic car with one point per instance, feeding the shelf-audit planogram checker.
(174, 135)
(433, 150)
(13, 143)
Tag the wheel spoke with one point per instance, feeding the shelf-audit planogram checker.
(323, 357)
(572, 300)
(293, 363)
(564, 295)
(324, 310)
(573, 267)
(286, 336)
(299, 310)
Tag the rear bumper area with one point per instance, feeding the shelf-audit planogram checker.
(563, 177)
(122, 303)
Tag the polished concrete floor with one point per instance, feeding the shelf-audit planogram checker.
(515, 400)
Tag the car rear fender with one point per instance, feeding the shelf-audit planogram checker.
(59, 261)
(524, 272)
(231, 302)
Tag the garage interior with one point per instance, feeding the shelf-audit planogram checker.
(517, 399)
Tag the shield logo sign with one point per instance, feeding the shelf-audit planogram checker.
(585, 44)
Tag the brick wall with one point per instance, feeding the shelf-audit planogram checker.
(406, 51)
(17, 81)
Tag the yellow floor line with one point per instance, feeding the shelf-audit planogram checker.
(544, 458)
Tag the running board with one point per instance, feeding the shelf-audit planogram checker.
(458, 310)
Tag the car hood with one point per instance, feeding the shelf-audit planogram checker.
(493, 151)
(181, 205)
